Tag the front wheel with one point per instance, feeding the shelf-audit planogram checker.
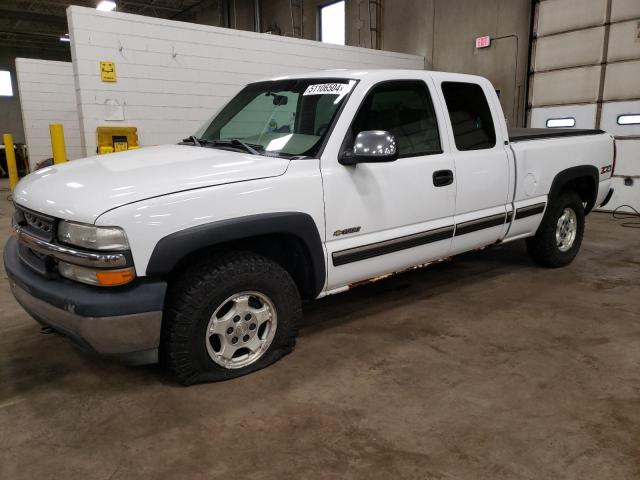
(228, 316)
(558, 239)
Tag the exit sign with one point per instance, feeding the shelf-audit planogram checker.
(483, 42)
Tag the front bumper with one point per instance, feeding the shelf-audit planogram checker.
(122, 322)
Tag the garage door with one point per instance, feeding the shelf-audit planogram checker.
(585, 73)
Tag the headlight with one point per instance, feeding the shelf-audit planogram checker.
(92, 237)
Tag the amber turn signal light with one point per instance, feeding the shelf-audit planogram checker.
(112, 278)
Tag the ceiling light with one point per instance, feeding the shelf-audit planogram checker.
(106, 6)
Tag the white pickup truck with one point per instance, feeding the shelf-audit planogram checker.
(200, 254)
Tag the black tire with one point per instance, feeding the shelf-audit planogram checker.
(543, 248)
(200, 290)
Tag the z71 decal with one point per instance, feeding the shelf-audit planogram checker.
(606, 169)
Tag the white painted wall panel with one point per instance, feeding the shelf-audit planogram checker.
(572, 49)
(574, 85)
(624, 10)
(624, 41)
(610, 113)
(622, 81)
(172, 76)
(47, 95)
(585, 115)
(562, 15)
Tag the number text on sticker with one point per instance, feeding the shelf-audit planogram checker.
(327, 89)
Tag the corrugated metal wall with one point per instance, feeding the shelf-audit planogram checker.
(585, 67)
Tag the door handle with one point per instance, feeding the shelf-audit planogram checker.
(442, 178)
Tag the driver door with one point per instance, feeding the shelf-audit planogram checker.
(384, 217)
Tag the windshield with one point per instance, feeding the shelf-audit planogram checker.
(279, 118)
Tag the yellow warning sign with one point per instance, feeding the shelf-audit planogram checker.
(108, 71)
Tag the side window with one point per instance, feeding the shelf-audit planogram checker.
(405, 110)
(470, 116)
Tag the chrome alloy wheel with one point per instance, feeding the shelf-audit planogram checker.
(241, 329)
(566, 229)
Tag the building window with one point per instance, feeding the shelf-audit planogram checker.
(567, 122)
(5, 84)
(332, 23)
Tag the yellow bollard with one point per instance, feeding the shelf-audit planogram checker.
(57, 143)
(11, 160)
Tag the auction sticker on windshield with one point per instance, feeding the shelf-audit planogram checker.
(327, 89)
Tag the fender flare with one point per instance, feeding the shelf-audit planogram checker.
(174, 247)
(573, 173)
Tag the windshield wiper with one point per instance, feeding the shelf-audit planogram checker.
(192, 139)
(239, 143)
(233, 142)
(236, 142)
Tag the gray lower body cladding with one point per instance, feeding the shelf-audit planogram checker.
(121, 322)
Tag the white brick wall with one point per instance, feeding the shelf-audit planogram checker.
(172, 76)
(47, 95)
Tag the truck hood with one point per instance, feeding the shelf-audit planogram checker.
(83, 189)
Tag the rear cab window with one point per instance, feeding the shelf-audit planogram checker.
(470, 116)
(404, 109)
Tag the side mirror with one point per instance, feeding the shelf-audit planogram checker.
(371, 146)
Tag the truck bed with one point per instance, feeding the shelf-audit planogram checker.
(523, 134)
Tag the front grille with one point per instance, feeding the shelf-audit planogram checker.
(35, 223)
(44, 224)
(40, 226)
(42, 264)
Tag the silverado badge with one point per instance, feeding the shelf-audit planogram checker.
(346, 231)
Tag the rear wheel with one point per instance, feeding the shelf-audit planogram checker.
(231, 315)
(559, 236)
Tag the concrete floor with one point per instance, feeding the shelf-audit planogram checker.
(482, 367)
